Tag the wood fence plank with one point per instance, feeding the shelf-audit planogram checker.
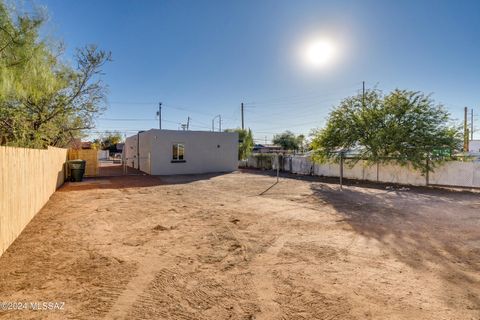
(28, 177)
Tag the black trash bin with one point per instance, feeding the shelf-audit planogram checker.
(77, 169)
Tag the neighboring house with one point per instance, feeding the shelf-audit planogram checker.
(168, 152)
(87, 145)
(266, 148)
(78, 144)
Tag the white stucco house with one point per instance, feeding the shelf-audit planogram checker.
(168, 152)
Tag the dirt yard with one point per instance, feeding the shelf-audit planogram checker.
(239, 246)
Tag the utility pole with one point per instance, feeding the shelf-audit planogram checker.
(159, 114)
(219, 121)
(465, 130)
(243, 126)
(471, 125)
(188, 123)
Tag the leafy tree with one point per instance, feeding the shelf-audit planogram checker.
(288, 141)
(245, 144)
(108, 140)
(44, 101)
(401, 127)
(19, 47)
(301, 142)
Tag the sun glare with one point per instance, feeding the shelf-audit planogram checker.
(319, 53)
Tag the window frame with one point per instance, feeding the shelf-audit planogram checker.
(177, 146)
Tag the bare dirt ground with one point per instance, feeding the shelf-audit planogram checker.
(239, 246)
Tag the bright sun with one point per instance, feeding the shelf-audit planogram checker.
(319, 53)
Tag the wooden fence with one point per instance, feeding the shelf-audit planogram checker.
(28, 177)
(89, 155)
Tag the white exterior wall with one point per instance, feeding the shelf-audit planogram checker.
(400, 174)
(451, 173)
(103, 154)
(301, 165)
(474, 146)
(353, 171)
(145, 146)
(457, 173)
(130, 151)
(204, 151)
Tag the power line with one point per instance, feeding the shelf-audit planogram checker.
(131, 102)
(133, 119)
(165, 105)
(312, 94)
(288, 104)
(202, 123)
(126, 119)
(292, 125)
(112, 130)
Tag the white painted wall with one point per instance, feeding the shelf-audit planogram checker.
(204, 152)
(451, 173)
(103, 154)
(457, 173)
(474, 146)
(145, 147)
(130, 151)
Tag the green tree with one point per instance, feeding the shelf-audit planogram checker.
(44, 101)
(401, 127)
(108, 140)
(301, 142)
(245, 143)
(288, 141)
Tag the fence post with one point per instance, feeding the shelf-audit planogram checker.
(427, 174)
(341, 171)
(278, 165)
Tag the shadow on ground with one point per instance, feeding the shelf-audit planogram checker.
(133, 181)
(422, 229)
(334, 181)
(430, 229)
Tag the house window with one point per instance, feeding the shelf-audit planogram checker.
(178, 152)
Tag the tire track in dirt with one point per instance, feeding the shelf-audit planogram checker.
(145, 275)
(263, 281)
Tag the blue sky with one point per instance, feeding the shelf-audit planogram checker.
(203, 58)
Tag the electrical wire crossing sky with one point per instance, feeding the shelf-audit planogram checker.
(289, 62)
